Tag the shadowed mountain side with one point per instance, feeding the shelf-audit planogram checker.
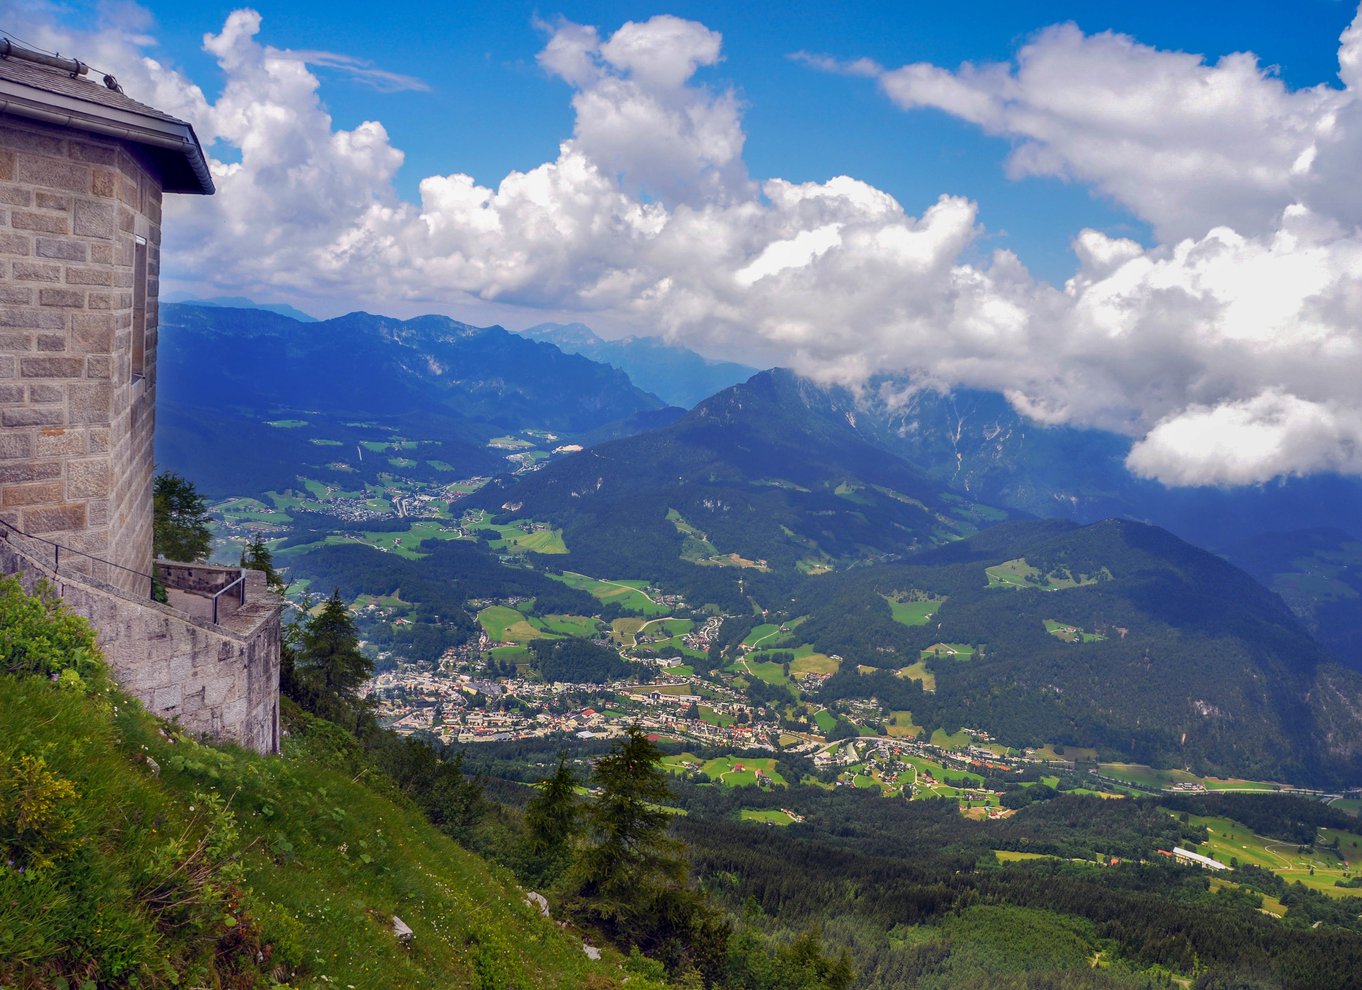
(752, 480)
(1318, 572)
(977, 443)
(1184, 660)
(362, 363)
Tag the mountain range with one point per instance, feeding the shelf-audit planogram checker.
(779, 489)
(678, 375)
(227, 379)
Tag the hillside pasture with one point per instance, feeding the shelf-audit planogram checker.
(913, 608)
(1318, 867)
(1018, 574)
(942, 739)
(506, 625)
(742, 771)
(901, 726)
(624, 630)
(763, 632)
(630, 595)
(582, 626)
(1071, 634)
(918, 672)
(811, 662)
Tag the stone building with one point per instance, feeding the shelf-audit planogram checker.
(83, 168)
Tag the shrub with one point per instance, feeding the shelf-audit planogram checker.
(39, 636)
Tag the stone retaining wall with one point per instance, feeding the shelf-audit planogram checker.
(220, 681)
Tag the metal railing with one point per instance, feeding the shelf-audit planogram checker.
(57, 549)
(240, 585)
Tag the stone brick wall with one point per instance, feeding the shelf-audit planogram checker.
(76, 426)
(203, 579)
(220, 681)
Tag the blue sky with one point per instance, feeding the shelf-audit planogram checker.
(490, 108)
(1141, 217)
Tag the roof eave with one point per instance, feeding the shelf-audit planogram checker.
(154, 132)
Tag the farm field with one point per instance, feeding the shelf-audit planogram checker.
(767, 816)
(521, 536)
(584, 626)
(744, 771)
(900, 725)
(941, 773)
(771, 673)
(509, 443)
(1019, 574)
(403, 544)
(825, 720)
(1013, 856)
(762, 633)
(911, 612)
(383, 446)
(805, 659)
(919, 672)
(1148, 778)
(1318, 868)
(624, 631)
(710, 716)
(629, 595)
(666, 636)
(942, 739)
(506, 625)
(1071, 634)
(1060, 754)
(952, 651)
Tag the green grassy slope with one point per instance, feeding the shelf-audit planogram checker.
(180, 863)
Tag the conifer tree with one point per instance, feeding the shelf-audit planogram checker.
(328, 661)
(179, 519)
(628, 846)
(256, 556)
(553, 819)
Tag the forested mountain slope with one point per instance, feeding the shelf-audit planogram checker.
(1116, 635)
(754, 481)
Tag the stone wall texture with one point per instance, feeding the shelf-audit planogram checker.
(220, 681)
(76, 423)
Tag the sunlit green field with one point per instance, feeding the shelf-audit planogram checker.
(1319, 868)
(913, 613)
(628, 594)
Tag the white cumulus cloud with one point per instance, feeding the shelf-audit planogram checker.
(1230, 352)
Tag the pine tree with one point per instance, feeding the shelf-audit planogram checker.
(179, 519)
(257, 557)
(329, 663)
(554, 819)
(628, 843)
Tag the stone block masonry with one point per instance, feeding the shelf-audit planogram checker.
(220, 681)
(76, 416)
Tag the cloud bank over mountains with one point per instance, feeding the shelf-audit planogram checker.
(1230, 352)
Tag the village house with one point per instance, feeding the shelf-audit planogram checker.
(83, 168)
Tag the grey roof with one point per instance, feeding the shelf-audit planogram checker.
(53, 96)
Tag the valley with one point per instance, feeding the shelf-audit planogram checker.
(821, 638)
